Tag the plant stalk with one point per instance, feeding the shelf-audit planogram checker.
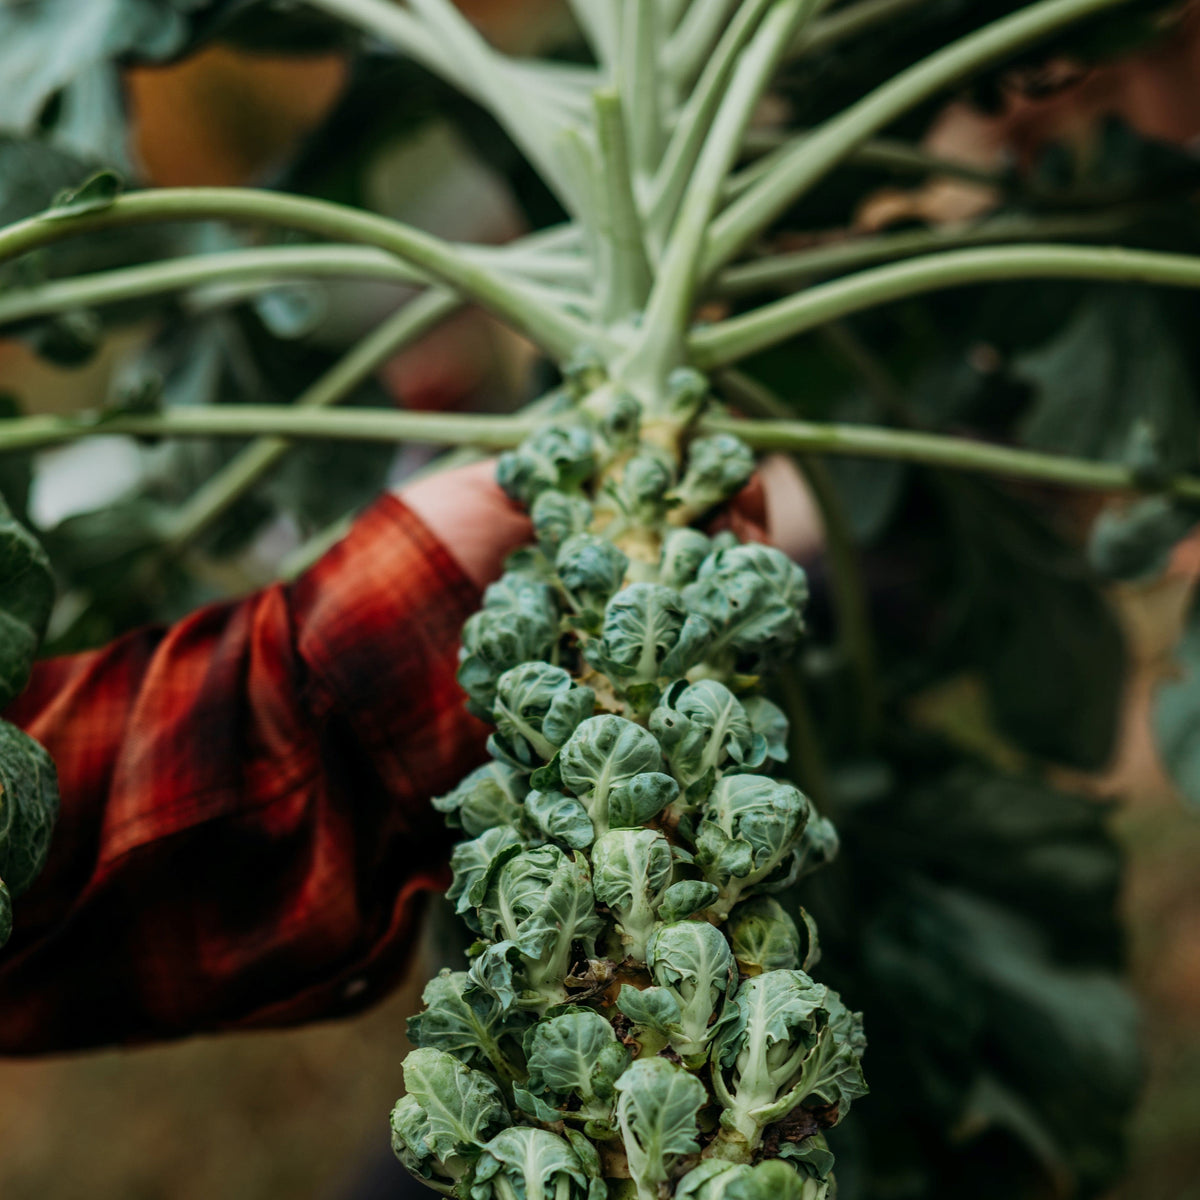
(734, 339)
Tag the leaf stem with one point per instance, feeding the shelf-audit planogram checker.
(787, 271)
(846, 23)
(727, 342)
(548, 325)
(497, 432)
(828, 145)
(236, 478)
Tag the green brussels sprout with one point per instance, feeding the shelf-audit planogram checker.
(591, 571)
(749, 835)
(657, 1109)
(602, 758)
(703, 728)
(788, 1039)
(489, 798)
(574, 1061)
(717, 467)
(533, 1164)
(682, 553)
(631, 870)
(541, 900)
(558, 456)
(448, 1115)
(692, 960)
(718, 1179)
(469, 1023)
(763, 937)
(556, 517)
(753, 597)
(537, 707)
(472, 863)
(561, 818)
(685, 899)
(518, 622)
(648, 634)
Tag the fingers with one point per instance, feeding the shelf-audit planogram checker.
(777, 507)
(470, 515)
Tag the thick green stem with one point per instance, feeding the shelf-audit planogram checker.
(557, 331)
(255, 420)
(241, 474)
(239, 273)
(827, 146)
(731, 340)
(668, 311)
(937, 450)
(787, 271)
(460, 429)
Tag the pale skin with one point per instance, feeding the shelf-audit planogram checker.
(478, 524)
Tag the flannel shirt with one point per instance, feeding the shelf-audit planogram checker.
(246, 833)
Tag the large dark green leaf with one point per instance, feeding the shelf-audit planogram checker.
(972, 917)
(26, 595)
(1118, 364)
(1040, 629)
(28, 811)
(1177, 712)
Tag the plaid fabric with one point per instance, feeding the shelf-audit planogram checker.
(246, 834)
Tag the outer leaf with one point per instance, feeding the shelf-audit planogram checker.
(472, 863)
(683, 552)
(488, 798)
(561, 818)
(657, 1112)
(631, 870)
(685, 899)
(26, 596)
(703, 727)
(537, 707)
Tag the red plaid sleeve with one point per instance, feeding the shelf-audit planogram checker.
(246, 832)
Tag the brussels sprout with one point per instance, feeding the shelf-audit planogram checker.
(558, 456)
(449, 1113)
(717, 468)
(537, 707)
(472, 862)
(519, 622)
(702, 727)
(749, 834)
(753, 597)
(657, 1111)
(574, 1059)
(631, 870)
(682, 553)
(788, 1039)
(561, 818)
(716, 1179)
(533, 1164)
(556, 517)
(763, 937)
(489, 798)
(590, 570)
(541, 901)
(692, 960)
(602, 756)
(686, 899)
(469, 1023)
(648, 634)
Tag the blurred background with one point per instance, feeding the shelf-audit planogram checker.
(303, 1114)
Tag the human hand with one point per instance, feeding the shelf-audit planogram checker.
(480, 526)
